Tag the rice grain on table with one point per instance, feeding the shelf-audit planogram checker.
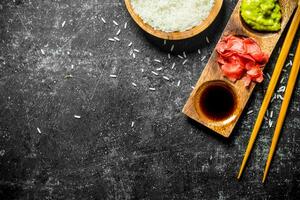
(184, 54)
(178, 83)
(249, 112)
(111, 39)
(271, 114)
(116, 38)
(129, 45)
(173, 65)
(172, 48)
(113, 76)
(77, 116)
(103, 20)
(172, 15)
(125, 25)
(116, 23)
(134, 84)
(43, 52)
(203, 58)
(156, 60)
(152, 89)
(119, 31)
(270, 123)
(281, 89)
(136, 50)
(63, 24)
(166, 78)
(279, 97)
(156, 74)
(184, 62)
(199, 51)
(207, 40)
(179, 56)
(169, 55)
(159, 69)
(39, 130)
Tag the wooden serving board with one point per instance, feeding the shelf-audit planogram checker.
(212, 72)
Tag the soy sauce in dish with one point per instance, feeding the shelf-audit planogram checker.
(217, 102)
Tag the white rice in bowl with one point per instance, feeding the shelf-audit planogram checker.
(172, 15)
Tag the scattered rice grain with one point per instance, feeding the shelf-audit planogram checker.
(178, 83)
(130, 44)
(113, 76)
(270, 123)
(116, 38)
(184, 62)
(156, 74)
(249, 112)
(156, 60)
(63, 24)
(166, 78)
(134, 84)
(119, 31)
(152, 89)
(271, 114)
(173, 65)
(203, 58)
(77, 116)
(279, 97)
(172, 48)
(39, 130)
(281, 89)
(116, 23)
(207, 39)
(103, 20)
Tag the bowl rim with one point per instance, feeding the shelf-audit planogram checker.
(176, 35)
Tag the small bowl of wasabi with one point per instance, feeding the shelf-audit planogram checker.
(174, 19)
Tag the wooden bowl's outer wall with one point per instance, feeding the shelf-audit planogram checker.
(176, 35)
(267, 42)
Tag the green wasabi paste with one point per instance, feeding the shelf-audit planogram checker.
(262, 15)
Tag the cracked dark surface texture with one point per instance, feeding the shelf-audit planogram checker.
(129, 142)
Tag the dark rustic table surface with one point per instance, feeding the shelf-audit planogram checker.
(78, 120)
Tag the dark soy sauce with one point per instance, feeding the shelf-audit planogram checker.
(217, 101)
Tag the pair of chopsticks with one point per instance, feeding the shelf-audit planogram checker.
(288, 93)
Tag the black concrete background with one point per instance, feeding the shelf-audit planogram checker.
(50, 72)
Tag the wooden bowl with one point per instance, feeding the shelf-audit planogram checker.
(176, 35)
